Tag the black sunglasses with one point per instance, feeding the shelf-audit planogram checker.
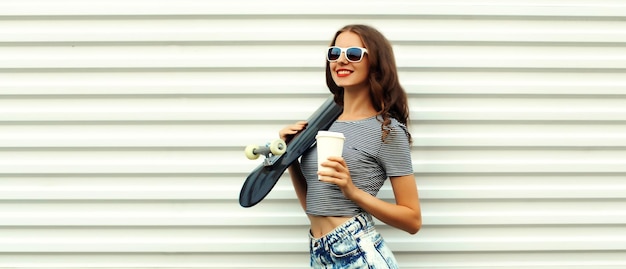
(353, 54)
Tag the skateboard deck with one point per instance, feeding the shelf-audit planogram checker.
(262, 179)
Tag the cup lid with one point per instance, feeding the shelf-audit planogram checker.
(329, 134)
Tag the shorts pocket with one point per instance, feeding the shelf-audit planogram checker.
(347, 254)
(343, 248)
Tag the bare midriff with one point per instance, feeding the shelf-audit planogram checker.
(322, 225)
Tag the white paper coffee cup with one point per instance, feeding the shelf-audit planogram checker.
(328, 144)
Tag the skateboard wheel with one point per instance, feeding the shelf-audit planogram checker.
(278, 147)
(250, 152)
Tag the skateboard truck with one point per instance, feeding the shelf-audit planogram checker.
(275, 148)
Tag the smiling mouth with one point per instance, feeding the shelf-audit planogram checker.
(343, 73)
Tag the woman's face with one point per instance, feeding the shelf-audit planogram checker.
(346, 74)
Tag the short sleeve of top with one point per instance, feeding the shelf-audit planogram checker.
(370, 162)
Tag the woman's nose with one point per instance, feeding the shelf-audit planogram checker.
(342, 58)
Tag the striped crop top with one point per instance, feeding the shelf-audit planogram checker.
(370, 162)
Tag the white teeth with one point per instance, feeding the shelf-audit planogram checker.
(344, 72)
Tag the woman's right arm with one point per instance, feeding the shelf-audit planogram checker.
(297, 178)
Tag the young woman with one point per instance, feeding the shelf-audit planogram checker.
(361, 74)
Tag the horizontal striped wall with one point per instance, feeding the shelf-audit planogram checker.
(123, 123)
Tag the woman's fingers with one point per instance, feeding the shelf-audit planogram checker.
(288, 132)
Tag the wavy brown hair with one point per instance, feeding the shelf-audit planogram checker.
(388, 96)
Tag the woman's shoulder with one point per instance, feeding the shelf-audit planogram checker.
(393, 123)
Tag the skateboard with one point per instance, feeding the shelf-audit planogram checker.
(280, 155)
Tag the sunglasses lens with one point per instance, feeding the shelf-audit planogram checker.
(334, 53)
(354, 54)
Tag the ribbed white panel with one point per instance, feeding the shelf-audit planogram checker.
(123, 123)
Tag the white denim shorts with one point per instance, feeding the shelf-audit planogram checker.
(354, 244)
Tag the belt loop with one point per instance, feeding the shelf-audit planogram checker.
(361, 219)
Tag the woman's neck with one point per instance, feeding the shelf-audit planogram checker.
(357, 105)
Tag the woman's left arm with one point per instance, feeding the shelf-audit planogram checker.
(405, 214)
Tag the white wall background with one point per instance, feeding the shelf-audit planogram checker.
(122, 126)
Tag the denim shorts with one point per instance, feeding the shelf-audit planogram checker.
(354, 244)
